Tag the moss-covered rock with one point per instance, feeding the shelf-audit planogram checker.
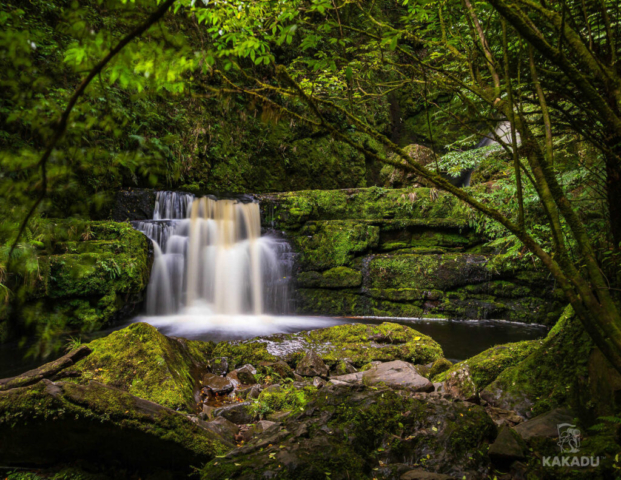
(325, 245)
(559, 372)
(91, 274)
(358, 343)
(147, 364)
(292, 209)
(51, 423)
(338, 277)
(482, 369)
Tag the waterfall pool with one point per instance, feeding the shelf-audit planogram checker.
(459, 339)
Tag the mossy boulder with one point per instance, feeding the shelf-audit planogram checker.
(51, 423)
(358, 343)
(147, 364)
(566, 369)
(466, 379)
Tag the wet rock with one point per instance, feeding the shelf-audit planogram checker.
(219, 366)
(238, 413)
(352, 378)
(96, 422)
(217, 385)
(370, 365)
(264, 425)
(312, 365)
(207, 412)
(280, 368)
(397, 374)
(506, 449)
(232, 376)
(223, 427)
(246, 375)
(420, 474)
(503, 417)
(318, 382)
(544, 425)
(136, 204)
(459, 385)
(344, 367)
(254, 392)
(273, 388)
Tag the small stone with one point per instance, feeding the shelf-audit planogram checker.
(312, 365)
(254, 392)
(208, 412)
(351, 378)
(460, 386)
(506, 449)
(318, 382)
(544, 425)
(280, 368)
(250, 368)
(503, 417)
(216, 384)
(238, 413)
(222, 427)
(219, 366)
(439, 366)
(246, 375)
(397, 374)
(345, 367)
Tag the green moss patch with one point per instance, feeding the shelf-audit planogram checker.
(145, 363)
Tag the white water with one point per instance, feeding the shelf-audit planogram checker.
(213, 269)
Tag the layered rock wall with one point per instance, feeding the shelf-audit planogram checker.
(402, 252)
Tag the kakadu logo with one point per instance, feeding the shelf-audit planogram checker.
(569, 438)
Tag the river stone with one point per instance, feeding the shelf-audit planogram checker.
(351, 378)
(223, 427)
(544, 425)
(397, 374)
(238, 413)
(420, 474)
(218, 366)
(318, 382)
(246, 374)
(506, 449)
(218, 385)
(280, 368)
(460, 386)
(312, 365)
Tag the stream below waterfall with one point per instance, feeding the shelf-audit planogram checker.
(216, 277)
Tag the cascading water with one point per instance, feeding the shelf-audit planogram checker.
(211, 260)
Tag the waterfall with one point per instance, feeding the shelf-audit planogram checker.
(210, 257)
